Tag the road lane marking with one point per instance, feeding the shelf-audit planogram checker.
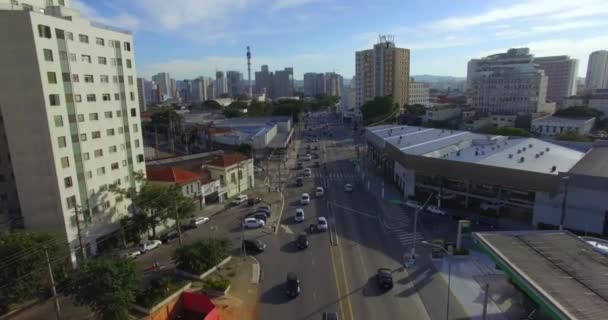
(333, 264)
(346, 287)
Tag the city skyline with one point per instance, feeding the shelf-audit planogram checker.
(199, 38)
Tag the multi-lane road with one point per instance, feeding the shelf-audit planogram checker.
(337, 271)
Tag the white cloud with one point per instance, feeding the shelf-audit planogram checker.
(570, 25)
(286, 4)
(122, 20)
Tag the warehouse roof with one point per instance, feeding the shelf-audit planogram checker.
(594, 163)
(563, 271)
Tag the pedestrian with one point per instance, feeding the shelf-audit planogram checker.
(154, 266)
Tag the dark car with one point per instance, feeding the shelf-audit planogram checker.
(316, 164)
(385, 278)
(169, 236)
(302, 241)
(292, 285)
(258, 215)
(299, 182)
(253, 201)
(330, 316)
(265, 209)
(299, 165)
(253, 245)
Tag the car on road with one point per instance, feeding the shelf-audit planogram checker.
(299, 215)
(436, 210)
(258, 215)
(319, 192)
(307, 172)
(316, 164)
(149, 245)
(253, 201)
(412, 204)
(307, 157)
(322, 224)
(292, 285)
(253, 245)
(251, 223)
(302, 241)
(169, 236)
(348, 187)
(265, 209)
(130, 254)
(239, 199)
(305, 199)
(299, 181)
(258, 170)
(384, 277)
(299, 165)
(330, 316)
(195, 222)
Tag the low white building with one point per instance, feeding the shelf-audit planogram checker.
(442, 113)
(419, 94)
(551, 125)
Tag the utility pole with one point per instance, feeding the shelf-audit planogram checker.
(280, 176)
(563, 214)
(83, 250)
(484, 313)
(53, 289)
(179, 229)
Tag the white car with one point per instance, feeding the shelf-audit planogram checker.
(307, 172)
(348, 187)
(307, 157)
(131, 254)
(319, 192)
(322, 224)
(299, 216)
(149, 245)
(258, 169)
(253, 223)
(305, 199)
(195, 222)
(436, 210)
(489, 206)
(412, 204)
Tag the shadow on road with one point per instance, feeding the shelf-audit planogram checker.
(290, 247)
(275, 295)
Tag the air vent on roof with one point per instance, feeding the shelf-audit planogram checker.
(476, 153)
(458, 153)
(510, 155)
(542, 153)
(518, 151)
(483, 153)
(553, 168)
(536, 155)
(547, 149)
(530, 145)
(521, 159)
(523, 149)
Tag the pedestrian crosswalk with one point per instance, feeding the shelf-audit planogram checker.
(406, 238)
(398, 222)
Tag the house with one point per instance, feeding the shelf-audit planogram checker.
(234, 172)
(196, 185)
(551, 125)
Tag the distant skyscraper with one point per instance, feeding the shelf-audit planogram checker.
(314, 84)
(561, 72)
(163, 83)
(173, 88)
(597, 70)
(263, 81)
(142, 95)
(221, 84)
(382, 71)
(333, 84)
(233, 80)
(471, 69)
(200, 89)
(282, 83)
(508, 83)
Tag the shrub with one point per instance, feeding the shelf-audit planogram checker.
(217, 284)
(201, 256)
(158, 290)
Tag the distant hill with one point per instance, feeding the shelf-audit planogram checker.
(434, 79)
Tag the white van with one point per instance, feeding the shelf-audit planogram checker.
(239, 199)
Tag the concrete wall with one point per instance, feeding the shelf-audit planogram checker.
(231, 187)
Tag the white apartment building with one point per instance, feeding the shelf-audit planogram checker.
(163, 83)
(419, 94)
(597, 70)
(70, 121)
(143, 86)
(508, 83)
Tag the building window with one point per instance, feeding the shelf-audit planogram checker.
(101, 171)
(133, 112)
(118, 113)
(120, 130)
(77, 98)
(75, 78)
(80, 117)
(112, 149)
(85, 58)
(130, 79)
(91, 98)
(51, 77)
(71, 202)
(72, 57)
(233, 178)
(86, 156)
(83, 38)
(119, 62)
(48, 54)
(110, 132)
(65, 76)
(114, 79)
(102, 60)
(140, 158)
(54, 99)
(88, 78)
(59, 34)
(136, 143)
(124, 164)
(61, 142)
(58, 121)
(63, 56)
(69, 98)
(222, 182)
(106, 97)
(127, 46)
(96, 134)
(67, 181)
(83, 137)
(113, 61)
(114, 166)
(65, 162)
(108, 114)
(98, 153)
(104, 79)
(132, 96)
(135, 127)
(93, 116)
(121, 79)
(99, 41)
(116, 96)
(128, 63)
(240, 175)
(89, 174)
(44, 31)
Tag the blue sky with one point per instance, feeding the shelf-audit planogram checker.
(190, 38)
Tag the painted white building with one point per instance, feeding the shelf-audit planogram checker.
(419, 94)
(70, 118)
(597, 70)
(550, 126)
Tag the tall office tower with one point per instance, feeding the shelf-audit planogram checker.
(70, 122)
(597, 70)
(163, 84)
(382, 71)
(333, 84)
(141, 94)
(184, 89)
(561, 72)
(221, 84)
(210, 90)
(173, 88)
(200, 87)
(314, 84)
(471, 67)
(508, 83)
(234, 79)
(282, 83)
(263, 81)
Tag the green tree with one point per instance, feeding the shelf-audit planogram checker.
(238, 105)
(107, 286)
(579, 112)
(23, 267)
(201, 256)
(212, 104)
(379, 109)
(257, 109)
(514, 132)
(572, 136)
(414, 109)
(233, 113)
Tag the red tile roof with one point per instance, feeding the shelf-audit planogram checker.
(227, 160)
(171, 174)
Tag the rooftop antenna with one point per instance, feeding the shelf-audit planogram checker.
(249, 72)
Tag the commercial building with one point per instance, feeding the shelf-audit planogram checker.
(382, 71)
(561, 72)
(263, 81)
(419, 93)
(233, 81)
(442, 113)
(163, 84)
(333, 84)
(597, 70)
(508, 83)
(80, 132)
(550, 125)
(221, 84)
(329, 83)
(282, 83)
(596, 99)
(515, 177)
(200, 90)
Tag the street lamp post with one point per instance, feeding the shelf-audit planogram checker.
(566, 180)
(447, 309)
